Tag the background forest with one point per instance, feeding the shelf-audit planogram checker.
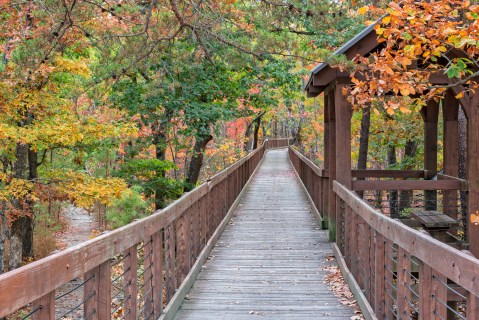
(119, 107)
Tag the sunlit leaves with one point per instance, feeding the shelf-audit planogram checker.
(418, 41)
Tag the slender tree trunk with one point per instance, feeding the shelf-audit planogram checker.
(247, 140)
(393, 194)
(196, 161)
(257, 124)
(159, 140)
(28, 223)
(364, 142)
(297, 138)
(3, 237)
(17, 228)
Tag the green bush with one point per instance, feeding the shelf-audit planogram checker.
(129, 207)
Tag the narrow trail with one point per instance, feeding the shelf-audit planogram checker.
(80, 224)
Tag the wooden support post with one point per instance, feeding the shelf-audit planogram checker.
(45, 307)
(430, 116)
(97, 291)
(324, 181)
(157, 273)
(473, 172)
(343, 112)
(131, 291)
(329, 96)
(450, 109)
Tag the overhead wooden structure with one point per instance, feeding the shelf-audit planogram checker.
(330, 81)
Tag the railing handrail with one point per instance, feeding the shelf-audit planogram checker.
(454, 264)
(26, 284)
(319, 171)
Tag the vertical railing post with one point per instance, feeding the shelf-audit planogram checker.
(403, 284)
(157, 273)
(170, 259)
(426, 301)
(97, 292)
(472, 308)
(440, 295)
(389, 280)
(45, 307)
(379, 275)
(131, 283)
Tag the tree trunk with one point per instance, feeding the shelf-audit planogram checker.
(405, 196)
(159, 140)
(18, 225)
(364, 142)
(247, 140)
(393, 194)
(28, 223)
(3, 237)
(196, 162)
(257, 124)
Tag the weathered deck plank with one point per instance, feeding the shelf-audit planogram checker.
(269, 261)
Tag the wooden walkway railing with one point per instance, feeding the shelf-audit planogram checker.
(134, 271)
(399, 272)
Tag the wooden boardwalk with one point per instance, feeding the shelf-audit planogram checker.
(269, 261)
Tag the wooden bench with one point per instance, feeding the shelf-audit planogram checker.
(435, 223)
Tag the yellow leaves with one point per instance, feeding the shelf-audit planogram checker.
(86, 190)
(363, 10)
(386, 20)
(460, 95)
(16, 189)
(405, 110)
(77, 67)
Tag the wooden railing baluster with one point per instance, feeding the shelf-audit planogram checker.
(147, 290)
(170, 262)
(403, 280)
(157, 272)
(379, 276)
(44, 307)
(472, 308)
(98, 287)
(130, 268)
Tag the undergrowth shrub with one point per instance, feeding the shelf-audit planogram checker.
(47, 223)
(129, 207)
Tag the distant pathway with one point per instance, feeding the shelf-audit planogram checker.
(79, 227)
(272, 258)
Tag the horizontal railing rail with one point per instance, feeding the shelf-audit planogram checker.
(276, 143)
(315, 180)
(133, 271)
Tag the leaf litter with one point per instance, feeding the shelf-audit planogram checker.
(336, 283)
